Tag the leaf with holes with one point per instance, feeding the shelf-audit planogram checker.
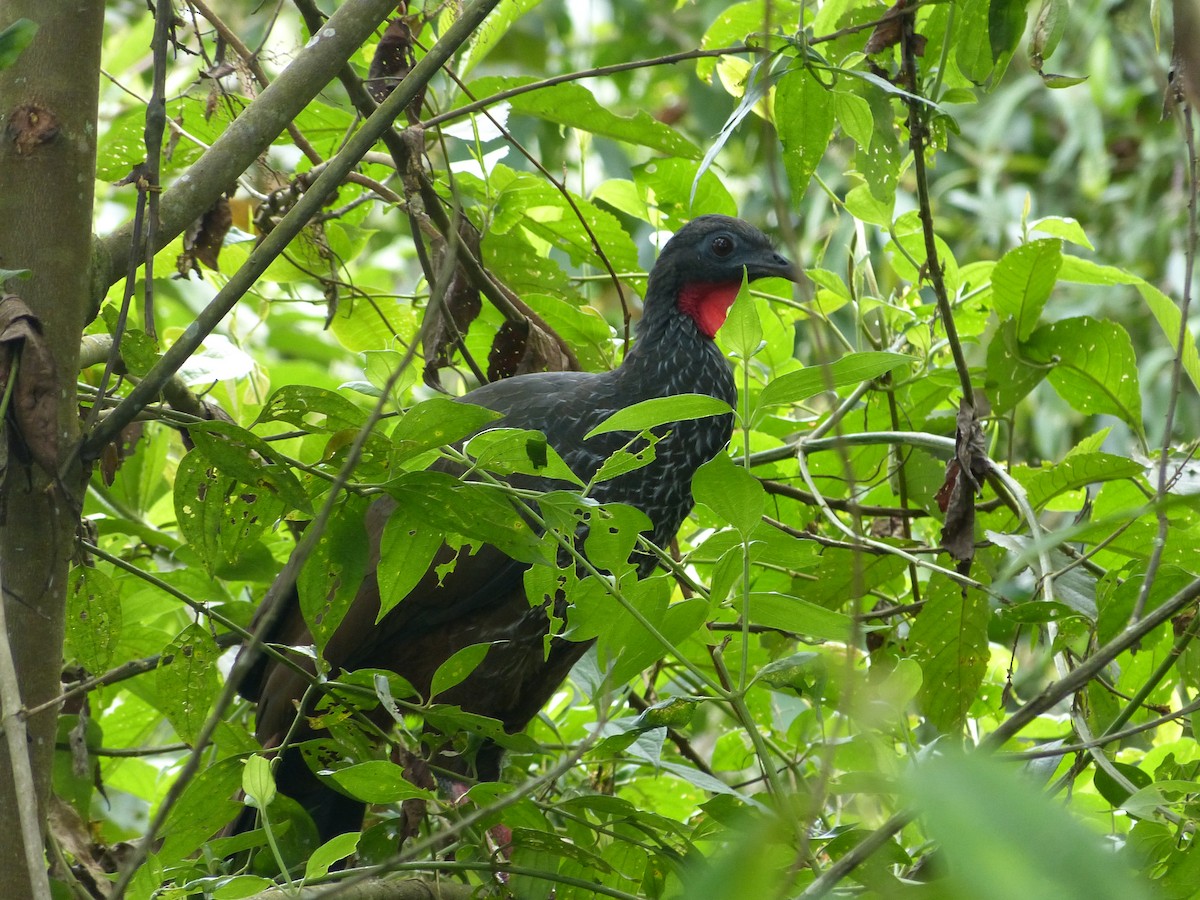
(186, 680)
(93, 618)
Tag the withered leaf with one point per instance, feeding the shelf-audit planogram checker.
(964, 478)
(460, 300)
(34, 410)
(204, 238)
(522, 347)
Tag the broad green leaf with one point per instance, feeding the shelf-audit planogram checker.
(841, 575)
(331, 851)
(853, 368)
(1027, 845)
(186, 680)
(1022, 281)
(526, 202)
(437, 422)
(1074, 471)
(1094, 366)
(93, 622)
(661, 411)
(949, 640)
(1164, 309)
(457, 668)
(1063, 227)
(668, 183)
(804, 119)
(221, 518)
(796, 616)
(378, 781)
(731, 492)
(472, 510)
(406, 550)
(800, 672)
(511, 451)
(1006, 23)
(206, 805)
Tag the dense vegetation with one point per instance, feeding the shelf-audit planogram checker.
(929, 631)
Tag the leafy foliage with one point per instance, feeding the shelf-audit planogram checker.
(785, 707)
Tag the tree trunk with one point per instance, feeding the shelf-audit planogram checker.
(48, 102)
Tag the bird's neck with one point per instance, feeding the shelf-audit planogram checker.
(673, 355)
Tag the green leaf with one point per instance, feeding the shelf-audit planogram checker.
(1094, 366)
(512, 451)
(497, 24)
(623, 461)
(804, 118)
(14, 39)
(468, 509)
(457, 668)
(1049, 24)
(742, 332)
(949, 640)
(437, 422)
(311, 409)
(252, 461)
(186, 680)
(1010, 377)
(378, 781)
(1006, 23)
(853, 368)
(257, 781)
(661, 411)
(613, 531)
(574, 106)
(333, 572)
(1075, 471)
(406, 550)
(796, 616)
(854, 117)
(731, 492)
(331, 851)
(1022, 281)
(207, 805)
(93, 624)
(1063, 227)
(1027, 844)
(1161, 306)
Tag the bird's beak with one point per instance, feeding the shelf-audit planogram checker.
(773, 265)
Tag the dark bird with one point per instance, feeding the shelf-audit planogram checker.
(483, 600)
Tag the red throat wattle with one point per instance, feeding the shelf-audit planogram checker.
(707, 303)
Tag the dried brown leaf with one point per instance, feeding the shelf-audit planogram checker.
(34, 409)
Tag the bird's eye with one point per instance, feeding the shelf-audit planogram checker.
(722, 245)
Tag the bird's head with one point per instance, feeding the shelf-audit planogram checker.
(700, 270)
